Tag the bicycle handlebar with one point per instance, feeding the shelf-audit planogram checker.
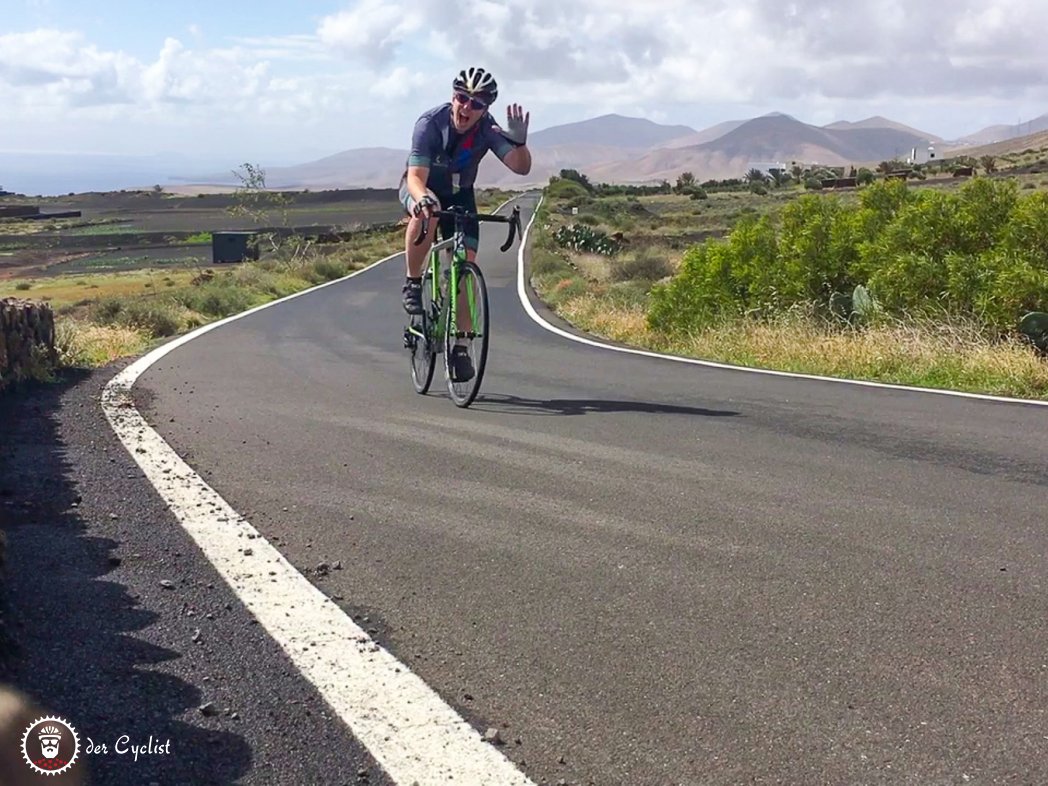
(460, 215)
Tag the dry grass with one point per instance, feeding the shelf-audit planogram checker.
(593, 267)
(935, 354)
(151, 299)
(87, 345)
(68, 290)
(617, 322)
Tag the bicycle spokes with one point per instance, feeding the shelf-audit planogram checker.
(468, 327)
(420, 337)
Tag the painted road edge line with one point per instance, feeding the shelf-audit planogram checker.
(414, 735)
(522, 292)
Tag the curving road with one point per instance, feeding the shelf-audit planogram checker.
(642, 571)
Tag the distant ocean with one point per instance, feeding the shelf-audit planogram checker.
(60, 185)
(57, 175)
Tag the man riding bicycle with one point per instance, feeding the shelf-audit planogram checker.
(447, 146)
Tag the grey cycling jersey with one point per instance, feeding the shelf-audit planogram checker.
(453, 158)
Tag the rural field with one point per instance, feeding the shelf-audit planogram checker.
(126, 230)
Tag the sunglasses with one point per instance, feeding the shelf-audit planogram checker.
(475, 103)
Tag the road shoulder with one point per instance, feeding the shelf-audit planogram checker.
(121, 627)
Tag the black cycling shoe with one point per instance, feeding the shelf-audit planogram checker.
(461, 365)
(413, 297)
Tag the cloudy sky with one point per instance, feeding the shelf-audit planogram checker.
(282, 82)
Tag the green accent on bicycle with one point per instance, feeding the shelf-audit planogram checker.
(436, 329)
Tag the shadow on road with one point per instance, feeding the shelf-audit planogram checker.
(516, 405)
(74, 646)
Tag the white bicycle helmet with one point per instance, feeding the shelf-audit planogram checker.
(477, 82)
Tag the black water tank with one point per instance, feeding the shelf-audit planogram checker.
(233, 246)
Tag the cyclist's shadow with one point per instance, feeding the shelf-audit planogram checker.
(509, 404)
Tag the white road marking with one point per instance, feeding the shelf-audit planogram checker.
(414, 735)
(530, 309)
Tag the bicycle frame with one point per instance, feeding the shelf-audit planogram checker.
(457, 244)
(433, 266)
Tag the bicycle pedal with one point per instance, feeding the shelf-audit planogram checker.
(409, 339)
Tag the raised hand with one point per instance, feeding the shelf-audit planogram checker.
(516, 128)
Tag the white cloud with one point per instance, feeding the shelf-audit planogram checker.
(746, 50)
(688, 61)
(371, 31)
(58, 65)
(46, 73)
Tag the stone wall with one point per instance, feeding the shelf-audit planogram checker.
(27, 339)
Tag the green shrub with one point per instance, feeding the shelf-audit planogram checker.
(157, 318)
(275, 283)
(629, 294)
(107, 310)
(703, 288)
(325, 269)
(981, 251)
(544, 262)
(565, 189)
(814, 255)
(218, 298)
(649, 264)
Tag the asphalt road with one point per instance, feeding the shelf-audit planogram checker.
(645, 571)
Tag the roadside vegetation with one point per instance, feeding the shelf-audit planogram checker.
(919, 281)
(137, 302)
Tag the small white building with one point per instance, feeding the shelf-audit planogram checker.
(920, 155)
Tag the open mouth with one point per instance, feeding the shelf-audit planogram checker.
(461, 116)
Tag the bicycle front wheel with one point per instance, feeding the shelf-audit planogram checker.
(424, 346)
(470, 330)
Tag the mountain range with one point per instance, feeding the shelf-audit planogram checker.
(611, 149)
(617, 149)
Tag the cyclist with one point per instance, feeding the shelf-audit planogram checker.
(447, 146)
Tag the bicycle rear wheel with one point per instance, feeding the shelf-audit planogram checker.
(423, 348)
(472, 296)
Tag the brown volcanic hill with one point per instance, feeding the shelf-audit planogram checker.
(668, 164)
(1017, 144)
(1002, 133)
(609, 131)
(706, 135)
(549, 161)
(773, 137)
(882, 122)
(783, 138)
